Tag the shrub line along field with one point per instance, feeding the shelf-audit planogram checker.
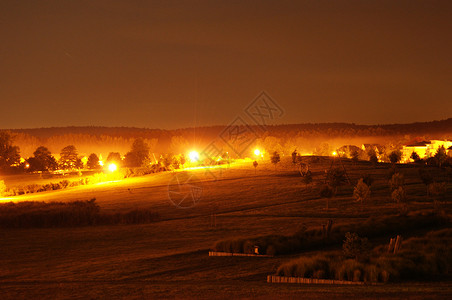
(169, 258)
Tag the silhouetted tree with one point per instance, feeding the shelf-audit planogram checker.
(399, 196)
(183, 160)
(397, 180)
(294, 156)
(42, 160)
(441, 156)
(426, 178)
(69, 158)
(335, 178)
(307, 178)
(275, 158)
(367, 179)
(372, 156)
(93, 162)
(355, 247)
(3, 188)
(175, 162)
(9, 154)
(354, 155)
(414, 156)
(361, 191)
(114, 157)
(327, 192)
(255, 164)
(395, 156)
(437, 190)
(139, 152)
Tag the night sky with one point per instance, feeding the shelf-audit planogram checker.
(165, 64)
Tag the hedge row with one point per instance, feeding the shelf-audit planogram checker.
(424, 258)
(33, 214)
(315, 238)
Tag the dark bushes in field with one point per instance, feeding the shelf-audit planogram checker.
(424, 258)
(315, 238)
(32, 214)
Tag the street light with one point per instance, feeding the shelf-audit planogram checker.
(112, 167)
(194, 156)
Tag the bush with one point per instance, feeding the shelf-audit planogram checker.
(399, 195)
(313, 238)
(437, 189)
(32, 188)
(397, 180)
(31, 214)
(326, 192)
(395, 156)
(361, 192)
(306, 267)
(354, 246)
(2, 188)
(424, 258)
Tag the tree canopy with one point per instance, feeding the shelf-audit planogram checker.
(69, 157)
(93, 161)
(9, 154)
(42, 160)
(138, 153)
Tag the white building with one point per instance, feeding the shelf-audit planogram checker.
(424, 149)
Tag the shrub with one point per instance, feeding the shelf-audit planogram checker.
(306, 239)
(32, 214)
(354, 246)
(306, 267)
(428, 257)
(372, 154)
(414, 156)
(335, 177)
(33, 188)
(326, 191)
(395, 156)
(437, 189)
(2, 188)
(361, 191)
(399, 195)
(271, 250)
(367, 179)
(397, 180)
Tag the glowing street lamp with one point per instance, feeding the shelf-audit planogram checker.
(194, 156)
(112, 167)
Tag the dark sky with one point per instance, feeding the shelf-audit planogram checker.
(165, 64)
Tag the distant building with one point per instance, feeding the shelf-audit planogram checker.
(424, 149)
(379, 149)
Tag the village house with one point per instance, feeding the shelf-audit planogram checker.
(424, 149)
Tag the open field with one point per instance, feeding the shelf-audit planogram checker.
(169, 258)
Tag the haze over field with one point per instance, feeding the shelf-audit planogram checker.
(304, 137)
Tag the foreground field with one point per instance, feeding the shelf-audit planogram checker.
(169, 258)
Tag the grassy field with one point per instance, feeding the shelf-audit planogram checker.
(169, 258)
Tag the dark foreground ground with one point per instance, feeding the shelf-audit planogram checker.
(169, 258)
